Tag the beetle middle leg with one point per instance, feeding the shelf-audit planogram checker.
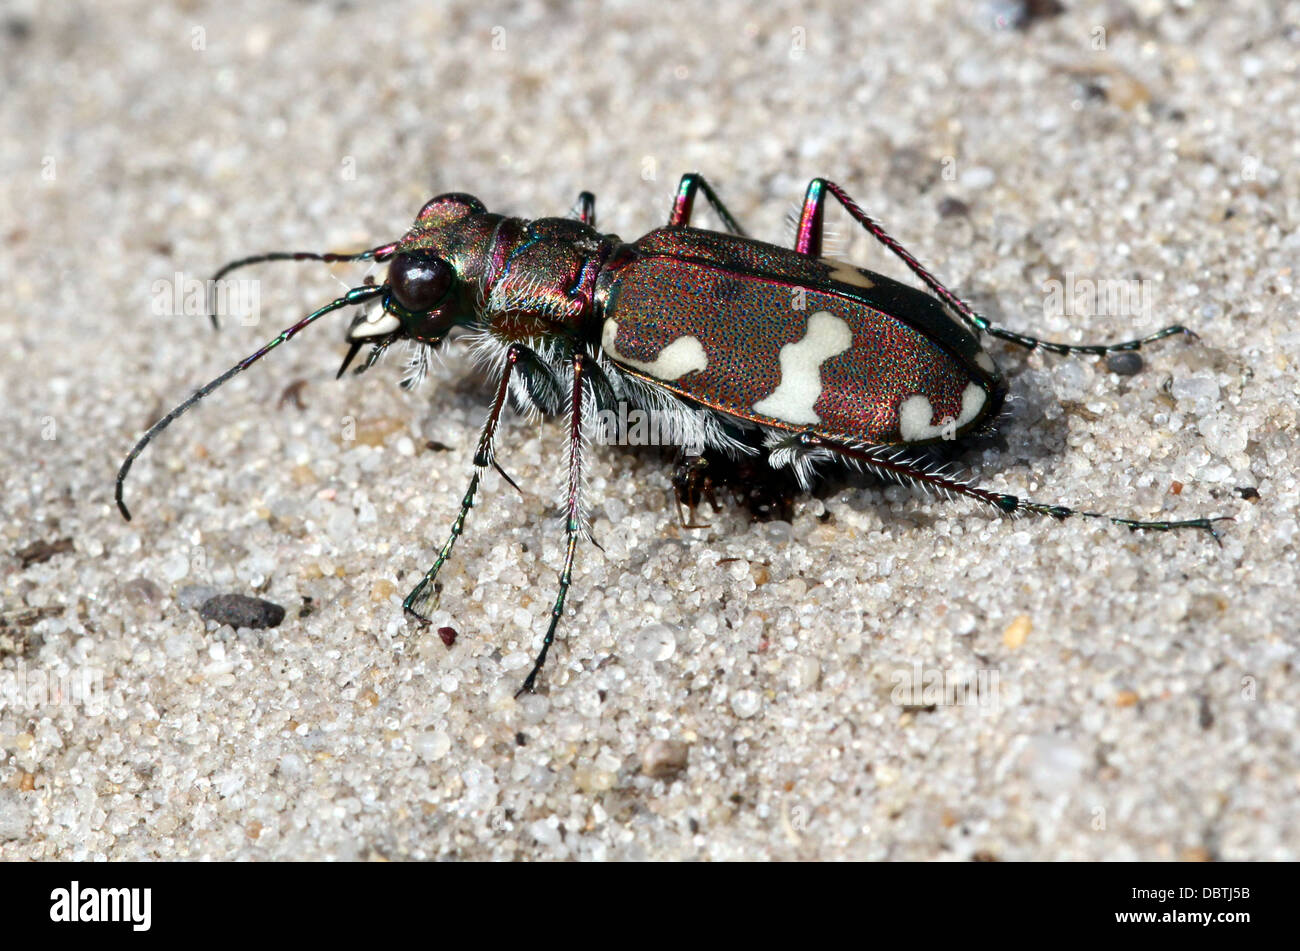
(890, 461)
(766, 492)
(573, 518)
(684, 203)
(692, 484)
(809, 241)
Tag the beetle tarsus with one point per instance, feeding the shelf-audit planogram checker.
(886, 461)
(410, 611)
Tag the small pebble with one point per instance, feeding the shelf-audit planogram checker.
(664, 758)
(240, 610)
(15, 816)
(953, 208)
(142, 591)
(1125, 363)
(1017, 631)
(746, 703)
(432, 746)
(654, 642)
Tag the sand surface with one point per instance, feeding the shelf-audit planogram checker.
(723, 693)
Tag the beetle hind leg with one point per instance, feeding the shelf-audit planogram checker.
(888, 461)
(684, 203)
(809, 241)
(572, 523)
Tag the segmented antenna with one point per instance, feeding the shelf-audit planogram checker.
(381, 253)
(356, 295)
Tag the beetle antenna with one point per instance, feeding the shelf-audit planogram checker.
(381, 253)
(354, 296)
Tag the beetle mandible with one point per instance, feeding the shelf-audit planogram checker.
(744, 347)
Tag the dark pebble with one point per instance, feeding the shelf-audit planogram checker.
(1027, 12)
(239, 610)
(952, 207)
(448, 635)
(1125, 363)
(41, 551)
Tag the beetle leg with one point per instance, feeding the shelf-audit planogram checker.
(886, 460)
(573, 518)
(691, 484)
(809, 241)
(685, 201)
(483, 457)
(585, 208)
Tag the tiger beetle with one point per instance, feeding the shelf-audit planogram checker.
(747, 348)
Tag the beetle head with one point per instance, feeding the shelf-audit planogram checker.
(422, 297)
(417, 304)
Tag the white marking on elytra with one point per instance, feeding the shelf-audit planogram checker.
(677, 359)
(801, 363)
(915, 413)
(846, 273)
(985, 362)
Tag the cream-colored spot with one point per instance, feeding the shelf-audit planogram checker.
(846, 273)
(915, 414)
(377, 323)
(801, 363)
(985, 362)
(674, 361)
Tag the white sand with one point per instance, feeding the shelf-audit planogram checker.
(1147, 707)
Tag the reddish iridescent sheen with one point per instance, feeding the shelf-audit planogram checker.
(744, 301)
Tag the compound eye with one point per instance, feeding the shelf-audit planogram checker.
(419, 281)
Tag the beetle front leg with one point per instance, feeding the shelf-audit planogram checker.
(684, 203)
(888, 461)
(484, 456)
(809, 241)
(572, 522)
